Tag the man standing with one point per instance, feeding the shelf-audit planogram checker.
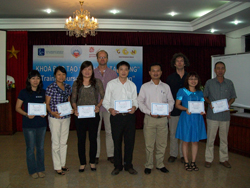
(155, 126)
(105, 74)
(176, 81)
(216, 89)
(122, 124)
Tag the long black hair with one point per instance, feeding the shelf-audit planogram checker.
(79, 79)
(190, 74)
(31, 74)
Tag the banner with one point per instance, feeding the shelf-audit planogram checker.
(47, 58)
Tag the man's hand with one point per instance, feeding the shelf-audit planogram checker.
(113, 112)
(132, 110)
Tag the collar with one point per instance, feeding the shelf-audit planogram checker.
(188, 92)
(151, 81)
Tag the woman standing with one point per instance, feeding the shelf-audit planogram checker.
(191, 127)
(86, 90)
(34, 127)
(56, 93)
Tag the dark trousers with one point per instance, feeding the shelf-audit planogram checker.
(82, 125)
(123, 126)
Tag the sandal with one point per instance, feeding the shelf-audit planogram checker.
(65, 168)
(187, 167)
(60, 172)
(193, 166)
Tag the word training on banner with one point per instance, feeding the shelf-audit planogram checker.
(47, 58)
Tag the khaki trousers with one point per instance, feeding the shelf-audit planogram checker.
(212, 127)
(59, 129)
(155, 133)
(109, 140)
(173, 122)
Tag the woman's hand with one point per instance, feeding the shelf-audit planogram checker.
(30, 117)
(189, 113)
(97, 109)
(203, 113)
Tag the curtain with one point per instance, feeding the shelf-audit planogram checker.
(18, 68)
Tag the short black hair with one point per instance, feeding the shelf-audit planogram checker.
(175, 56)
(60, 68)
(154, 64)
(219, 62)
(123, 63)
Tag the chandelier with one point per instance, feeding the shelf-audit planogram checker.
(81, 24)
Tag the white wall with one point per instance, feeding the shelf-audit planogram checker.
(235, 41)
(3, 66)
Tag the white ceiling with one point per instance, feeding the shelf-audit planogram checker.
(134, 15)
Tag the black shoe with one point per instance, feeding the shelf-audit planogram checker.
(171, 159)
(182, 160)
(111, 159)
(163, 169)
(131, 171)
(147, 171)
(116, 171)
(96, 160)
(81, 170)
(92, 169)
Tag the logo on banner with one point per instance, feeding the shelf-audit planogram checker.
(91, 49)
(41, 52)
(76, 52)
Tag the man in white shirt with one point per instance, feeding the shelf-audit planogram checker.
(155, 126)
(122, 124)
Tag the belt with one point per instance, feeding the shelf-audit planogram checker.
(123, 114)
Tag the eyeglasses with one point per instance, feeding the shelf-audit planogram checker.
(102, 57)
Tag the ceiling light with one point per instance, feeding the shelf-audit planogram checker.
(212, 30)
(172, 13)
(114, 11)
(48, 11)
(81, 24)
(236, 22)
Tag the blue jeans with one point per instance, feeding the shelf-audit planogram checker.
(34, 138)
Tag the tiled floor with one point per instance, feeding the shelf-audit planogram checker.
(13, 170)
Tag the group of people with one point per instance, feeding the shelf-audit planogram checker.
(101, 87)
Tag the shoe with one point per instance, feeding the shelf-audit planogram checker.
(96, 160)
(92, 168)
(171, 159)
(116, 171)
(35, 175)
(187, 167)
(208, 164)
(226, 164)
(147, 171)
(60, 172)
(111, 159)
(193, 166)
(41, 174)
(82, 169)
(65, 168)
(182, 160)
(163, 169)
(131, 171)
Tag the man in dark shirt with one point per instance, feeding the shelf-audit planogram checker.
(176, 81)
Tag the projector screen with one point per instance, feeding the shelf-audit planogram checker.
(3, 67)
(237, 70)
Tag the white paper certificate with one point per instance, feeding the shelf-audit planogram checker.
(220, 105)
(159, 109)
(86, 111)
(196, 107)
(123, 105)
(36, 109)
(64, 108)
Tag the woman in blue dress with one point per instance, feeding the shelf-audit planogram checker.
(191, 127)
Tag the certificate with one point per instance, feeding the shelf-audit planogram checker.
(196, 107)
(220, 106)
(123, 105)
(86, 111)
(159, 109)
(36, 109)
(64, 108)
